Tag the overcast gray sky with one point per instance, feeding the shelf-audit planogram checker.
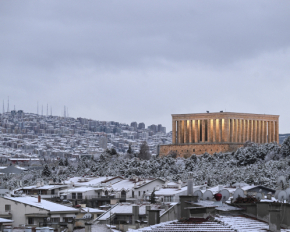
(145, 60)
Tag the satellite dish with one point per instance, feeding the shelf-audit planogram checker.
(225, 195)
(208, 195)
(282, 196)
(199, 194)
(48, 219)
(259, 196)
(281, 181)
(238, 193)
(87, 216)
(288, 194)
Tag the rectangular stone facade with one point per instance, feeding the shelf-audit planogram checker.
(219, 132)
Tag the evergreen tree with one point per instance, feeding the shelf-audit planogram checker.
(66, 162)
(46, 172)
(144, 153)
(129, 151)
(60, 163)
(152, 197)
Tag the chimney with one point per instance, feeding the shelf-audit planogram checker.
(39, 199)
(190, 184)
(166, 183)
(269, 196)
(135, 209)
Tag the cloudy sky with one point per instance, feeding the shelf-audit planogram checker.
(144, 60)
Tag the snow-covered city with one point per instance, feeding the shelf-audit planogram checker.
(144, 116)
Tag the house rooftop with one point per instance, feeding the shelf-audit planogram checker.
(47, 205)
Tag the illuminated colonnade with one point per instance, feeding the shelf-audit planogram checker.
(224, 127)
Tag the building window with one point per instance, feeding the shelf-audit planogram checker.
(7, 208)
(30, 221)
(139, 193)
(193, 150)
(54, 220)
(73, 196)
(80, 196)
(52, 192)
(132, 194)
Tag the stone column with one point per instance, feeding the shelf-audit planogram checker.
(190, 131)
(214, 130)
(185, 131)
(173, 132)
(270, 131)
(235, 130)
(226, 131)
(254, 131)
(203, 130)
(220, 130)
(246, 130)
(238, 131)
(208, 130)
(243, 130)
(277, 131)
(231, 130)
(265, 131)
(196, 134)
(250, 131)
(258, 131)
(262, 132)
(179, 131)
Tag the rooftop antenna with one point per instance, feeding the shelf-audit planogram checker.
(3, 106)
(46, 110)
(41, 110)
(8, 105)
(37, 107)
(51, 110)
(67, 111)
(64, 113)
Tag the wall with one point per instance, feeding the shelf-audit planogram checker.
(147, 188)
(170, 215)
(186, 150)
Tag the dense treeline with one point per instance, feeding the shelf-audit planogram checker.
(252, 164)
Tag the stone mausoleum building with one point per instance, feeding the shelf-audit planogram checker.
(219, 132)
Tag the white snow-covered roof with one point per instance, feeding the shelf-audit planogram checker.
(244, 223)
(123, 184)
(82, 189)
(170, 191)
(92, 210)
(47, 205)
(4, 220)
(44, 187)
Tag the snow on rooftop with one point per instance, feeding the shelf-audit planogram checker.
(44, 187)
(82, 189)
(47, 205)
(244, 223)
(92, 210)
(170, 191)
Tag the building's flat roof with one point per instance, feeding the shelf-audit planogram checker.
(210, 114)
